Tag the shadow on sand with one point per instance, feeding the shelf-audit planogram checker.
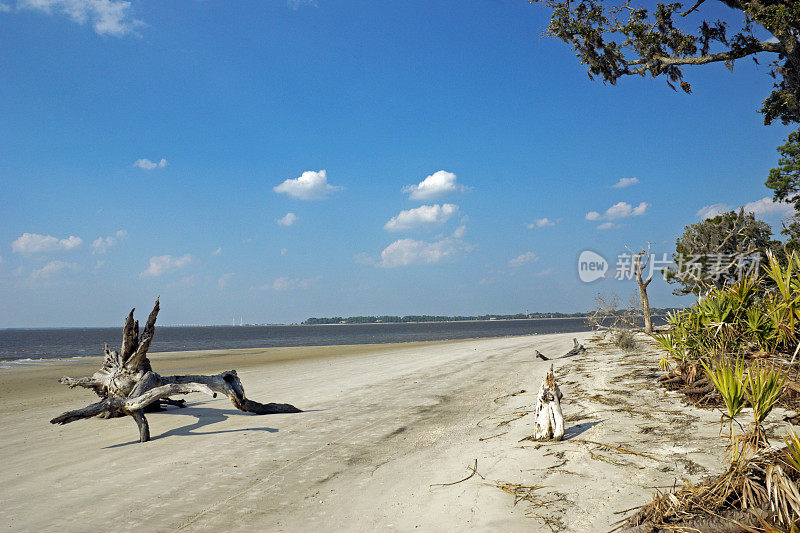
(578, 429)
(205, 416)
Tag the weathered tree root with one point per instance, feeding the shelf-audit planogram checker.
(575, 350)
(701, 387)
(128, 386)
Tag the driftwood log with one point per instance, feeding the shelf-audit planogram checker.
(576, 349)
(127, 384)
(549, 420)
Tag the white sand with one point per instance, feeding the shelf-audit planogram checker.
(383, 424)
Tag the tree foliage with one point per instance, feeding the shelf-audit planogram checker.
(716, 252)
(617, 39)
(785, 178)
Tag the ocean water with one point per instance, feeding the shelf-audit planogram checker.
(36, 345)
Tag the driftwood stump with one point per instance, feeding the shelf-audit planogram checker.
(127, 384)
(549, 420)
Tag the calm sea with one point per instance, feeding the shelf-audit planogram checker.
(17, 344)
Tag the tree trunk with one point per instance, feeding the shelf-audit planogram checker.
(549, 420)
(128, 386)
(638, 267)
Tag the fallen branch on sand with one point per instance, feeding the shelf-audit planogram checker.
(474, 471)
(127, 384)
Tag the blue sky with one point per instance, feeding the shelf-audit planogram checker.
(355, 104)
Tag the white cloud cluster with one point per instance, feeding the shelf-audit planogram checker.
(284, 283)
(617, 211)
(309, 186)
(101, 244)
(625, 182)
(406, 252)
(108, 17)
(146, 164)
(162, 264)
(421, 217)
(765, 207)
(436, 185)
(29, 243)
(287, 220)
(541, 223)
(51, 269)
(524, 259)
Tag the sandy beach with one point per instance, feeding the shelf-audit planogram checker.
(383, 425)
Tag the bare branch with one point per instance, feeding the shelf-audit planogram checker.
(669, 61)
(693, 8)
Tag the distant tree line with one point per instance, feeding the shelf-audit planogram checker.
(438, 318)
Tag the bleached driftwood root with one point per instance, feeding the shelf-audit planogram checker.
(576, 349)
(128, 386)
(549, 420)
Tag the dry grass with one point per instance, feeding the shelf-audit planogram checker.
(757, 486)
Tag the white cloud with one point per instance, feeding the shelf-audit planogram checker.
(617, 211)
(29, 243)
(288, 284)
(287, 220)
(146, 164)
(406, 252)
(625, 182)
(161, 264)
(460, 232)
(523, 259)
(217, 252)
(625, 210)
(607, 226)
(284, 251)
(713, 210)
(765, 207)
(309, 186)
(101, 244)
(436, 185)
(541, 223)
(52, 268)
(421, 217)
(108, 17)
(223, 280)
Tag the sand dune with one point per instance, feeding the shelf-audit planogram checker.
(383, 423)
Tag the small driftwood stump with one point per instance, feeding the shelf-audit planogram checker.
(127, 384)
(549, 420)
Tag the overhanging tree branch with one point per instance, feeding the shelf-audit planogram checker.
(704, 59)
